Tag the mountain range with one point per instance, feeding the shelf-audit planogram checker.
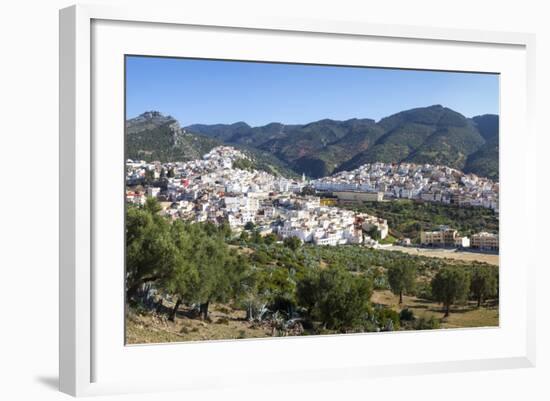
(434, 134)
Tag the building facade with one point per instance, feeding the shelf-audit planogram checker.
(486, 241)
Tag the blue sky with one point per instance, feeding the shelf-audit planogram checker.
(209, 91)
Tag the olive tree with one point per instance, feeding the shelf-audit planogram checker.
(449, 286)
(337, 298)
(402, 278)
(150, 251)
(208, 270)
(483, 284)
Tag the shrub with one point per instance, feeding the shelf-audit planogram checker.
(406, 315)
(424, 291)
(426, 324)
(388, 319)
(292, 243)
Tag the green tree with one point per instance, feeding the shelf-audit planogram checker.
(244, 236)
(149, 176)
(261, 257)
(402, 278)
(249, 226)
(150, 251)
(292, 242)
(450, 285)
(307, 292)
(185, 275)
(278, 288)
(374, 233)
(243, 164)
(270, 239)
(153, 207)
(337, 298)
(218, 271)
(225, 229)
(483, 284)
(256, 237)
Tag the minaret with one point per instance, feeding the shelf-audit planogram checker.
(303, 177)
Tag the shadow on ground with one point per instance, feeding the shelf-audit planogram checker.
(52, 382)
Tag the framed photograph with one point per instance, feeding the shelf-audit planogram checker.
(290, 200)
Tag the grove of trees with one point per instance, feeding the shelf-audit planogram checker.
(189, 261)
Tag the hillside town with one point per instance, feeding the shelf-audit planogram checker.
(211, 189)
(424, 182)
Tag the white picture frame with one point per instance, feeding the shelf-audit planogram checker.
(91, 363)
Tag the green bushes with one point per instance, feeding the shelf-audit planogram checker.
(406, 315)
(336, 298)
(424, 291)
(388, 319)
(409, 217)
(243, 164)
(292, 242)
(410, 322)
(423, 323)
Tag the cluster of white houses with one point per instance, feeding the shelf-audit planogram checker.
(448, 237)
(430, 183)
(212, 190)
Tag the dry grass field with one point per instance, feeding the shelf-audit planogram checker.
(448, 254)
(461, 316)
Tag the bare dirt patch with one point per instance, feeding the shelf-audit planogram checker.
(448, 254)
(223, 324)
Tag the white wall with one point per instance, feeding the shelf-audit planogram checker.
(28, 224)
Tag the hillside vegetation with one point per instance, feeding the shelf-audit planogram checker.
(408, 218)
(435, 135)
(197, 281)
(153, 136)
